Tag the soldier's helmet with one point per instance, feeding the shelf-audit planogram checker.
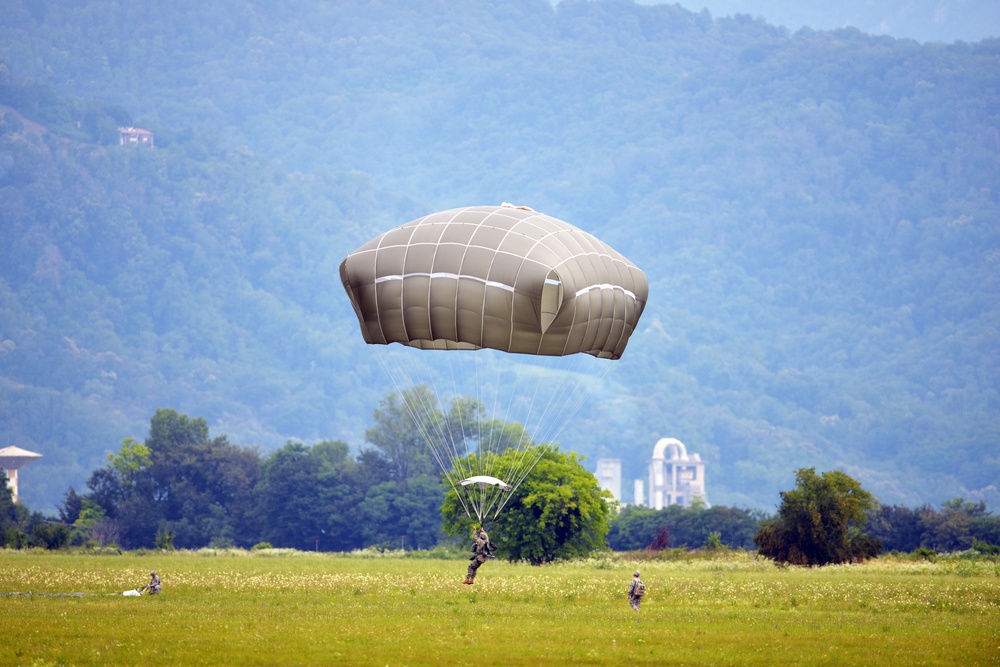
(636, 573)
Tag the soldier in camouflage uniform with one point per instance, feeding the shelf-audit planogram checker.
(482, 549)
(636, 591)
(154, 584)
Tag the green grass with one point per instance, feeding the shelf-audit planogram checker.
(311, 609)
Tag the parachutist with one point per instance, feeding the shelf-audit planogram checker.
(482, 548)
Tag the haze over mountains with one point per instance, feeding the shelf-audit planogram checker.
(817, 213)
(922, 20)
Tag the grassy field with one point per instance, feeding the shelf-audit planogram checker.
(271, 608)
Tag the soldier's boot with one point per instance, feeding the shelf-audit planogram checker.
(468, 580)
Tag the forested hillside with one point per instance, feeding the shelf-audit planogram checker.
(816, 212)
(922, 20)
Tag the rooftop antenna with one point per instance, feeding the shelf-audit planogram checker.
(12, 459)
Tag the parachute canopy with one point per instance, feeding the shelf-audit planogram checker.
(485, 482)
(501, 280)
(500, 277)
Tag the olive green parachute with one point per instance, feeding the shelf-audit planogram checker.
(499, 277)
(500, 280)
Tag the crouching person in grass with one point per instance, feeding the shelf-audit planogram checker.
(154, 586)
(636, 591)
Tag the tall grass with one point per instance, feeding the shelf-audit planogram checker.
(280, 607)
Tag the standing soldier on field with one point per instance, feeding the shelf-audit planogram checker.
(482, 549)
(636, 591)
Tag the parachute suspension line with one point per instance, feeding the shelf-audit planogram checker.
(589, 382)
(516, 470)
(486, 454)
(481, 498)
(552, 428)
(401, 379)
(534, 429)
(539, 400)
(519, 467)
(485, 496)
(454, 459)
(449, 449)
(458, 453)
(476, 492)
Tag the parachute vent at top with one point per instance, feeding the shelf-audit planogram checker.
(500, 277)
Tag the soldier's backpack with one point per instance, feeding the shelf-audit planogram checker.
(640, 589)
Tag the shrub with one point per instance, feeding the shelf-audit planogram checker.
(714, 541)
(165, 540)
(50, 535)
(985, 548)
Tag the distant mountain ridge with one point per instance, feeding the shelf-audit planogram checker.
(923, 20)
(816, 213)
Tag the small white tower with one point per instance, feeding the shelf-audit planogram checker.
(638, 493)
(12, 459)
(609, 476)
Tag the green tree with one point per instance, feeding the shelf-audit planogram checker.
(130, 462)
(69, 508)
(405, 492)
(86, 528)
(821, 521)
(49, 534)
(202, 488)
(392, 511)
(308, 498)
(400, 421)
(898, 528)
(954, 527)
(558, 511)
(179, 481)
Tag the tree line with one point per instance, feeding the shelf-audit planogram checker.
(827, 518)
(181, 488)
(185, 489)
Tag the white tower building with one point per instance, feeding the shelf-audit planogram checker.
(675, 478)
(11, 459)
